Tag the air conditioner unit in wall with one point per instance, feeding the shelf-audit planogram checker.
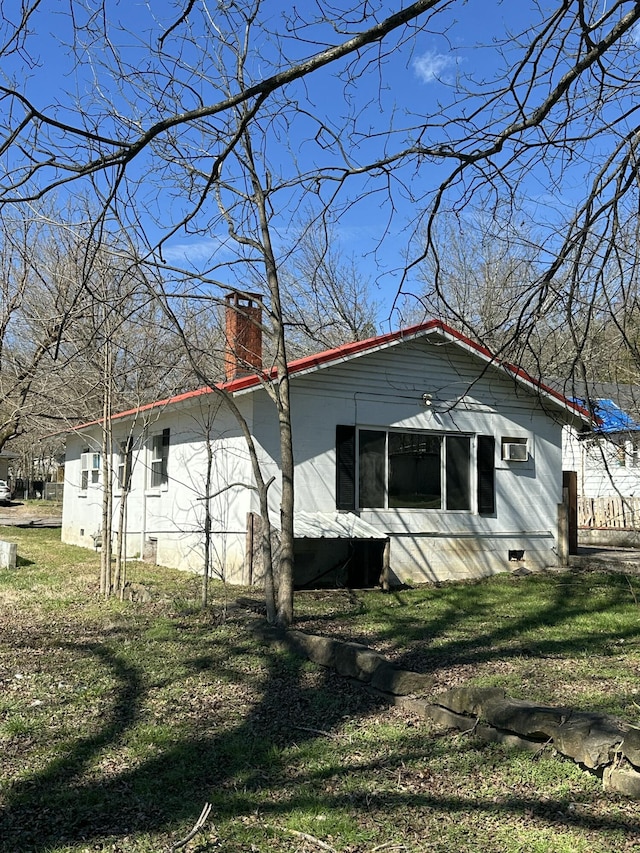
(513, 452)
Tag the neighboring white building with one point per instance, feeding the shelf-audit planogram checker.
(416, 437)
(607, 458)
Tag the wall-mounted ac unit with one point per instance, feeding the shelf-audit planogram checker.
(515, 452)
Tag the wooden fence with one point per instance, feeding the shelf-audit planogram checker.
(612, 513)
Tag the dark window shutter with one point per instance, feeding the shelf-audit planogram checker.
(345, 467)
(486, 475)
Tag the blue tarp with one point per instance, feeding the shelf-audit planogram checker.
(612, 418)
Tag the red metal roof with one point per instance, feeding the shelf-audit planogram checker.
(347, 351)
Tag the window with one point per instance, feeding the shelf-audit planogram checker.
(125, 464)
(159, 458)
(413, 470)
(415, 476)
(90, 469)
(628, 452)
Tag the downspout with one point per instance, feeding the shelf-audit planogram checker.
(143, 521)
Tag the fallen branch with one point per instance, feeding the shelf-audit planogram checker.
(469, 732)
(322, 732)
(312, 840)
(542, 748)
(204, 814)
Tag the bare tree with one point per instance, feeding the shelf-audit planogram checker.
(327, 300)
(40, 303)
(184, 122)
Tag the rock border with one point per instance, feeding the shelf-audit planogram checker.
(602, 744)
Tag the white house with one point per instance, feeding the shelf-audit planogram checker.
(607, 458)
(417, 438)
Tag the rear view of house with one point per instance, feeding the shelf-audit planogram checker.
(414, 450)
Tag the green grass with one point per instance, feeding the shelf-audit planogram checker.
(118, 721)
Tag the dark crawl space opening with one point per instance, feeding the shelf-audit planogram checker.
(338, 563)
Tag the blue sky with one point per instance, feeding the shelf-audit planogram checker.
(458, 45)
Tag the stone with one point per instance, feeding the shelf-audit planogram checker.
(594, 740)
(320, 650)
(623, 780)
(524, 718)
(400, 682)
(590, 739)
(469, 700)
(631, 745)
(356, 661)
(136, 592)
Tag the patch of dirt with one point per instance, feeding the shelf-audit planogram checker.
(25, 512)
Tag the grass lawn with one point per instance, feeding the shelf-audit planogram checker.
(118, 721)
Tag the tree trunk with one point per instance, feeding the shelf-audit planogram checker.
(206, 569)
(107, 484)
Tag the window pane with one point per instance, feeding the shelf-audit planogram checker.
(159, 457)
(458, 473)
(371, 467)
(157, 475)
(414, 470)
(156, 446)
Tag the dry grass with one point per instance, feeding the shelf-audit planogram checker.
(118, 721)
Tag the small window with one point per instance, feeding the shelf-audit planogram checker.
(159, 459)
(628, 452)
(90, 469)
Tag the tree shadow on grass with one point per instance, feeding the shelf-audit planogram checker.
(459, 623)
(79, 798)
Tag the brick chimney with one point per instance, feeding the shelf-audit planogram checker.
(243, 331)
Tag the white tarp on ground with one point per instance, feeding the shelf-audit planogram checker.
(333, 525)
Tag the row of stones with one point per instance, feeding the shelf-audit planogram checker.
(598, 742)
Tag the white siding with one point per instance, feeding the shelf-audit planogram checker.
(385, 389)
(382, 389)
(598, 463)
(171, 518)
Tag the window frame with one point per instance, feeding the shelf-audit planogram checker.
(445, 470)
(90, 467)
(158, 468)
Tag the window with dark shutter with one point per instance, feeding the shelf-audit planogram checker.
(345, 467)
(486, 475)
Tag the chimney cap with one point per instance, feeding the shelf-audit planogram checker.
(243, 297)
